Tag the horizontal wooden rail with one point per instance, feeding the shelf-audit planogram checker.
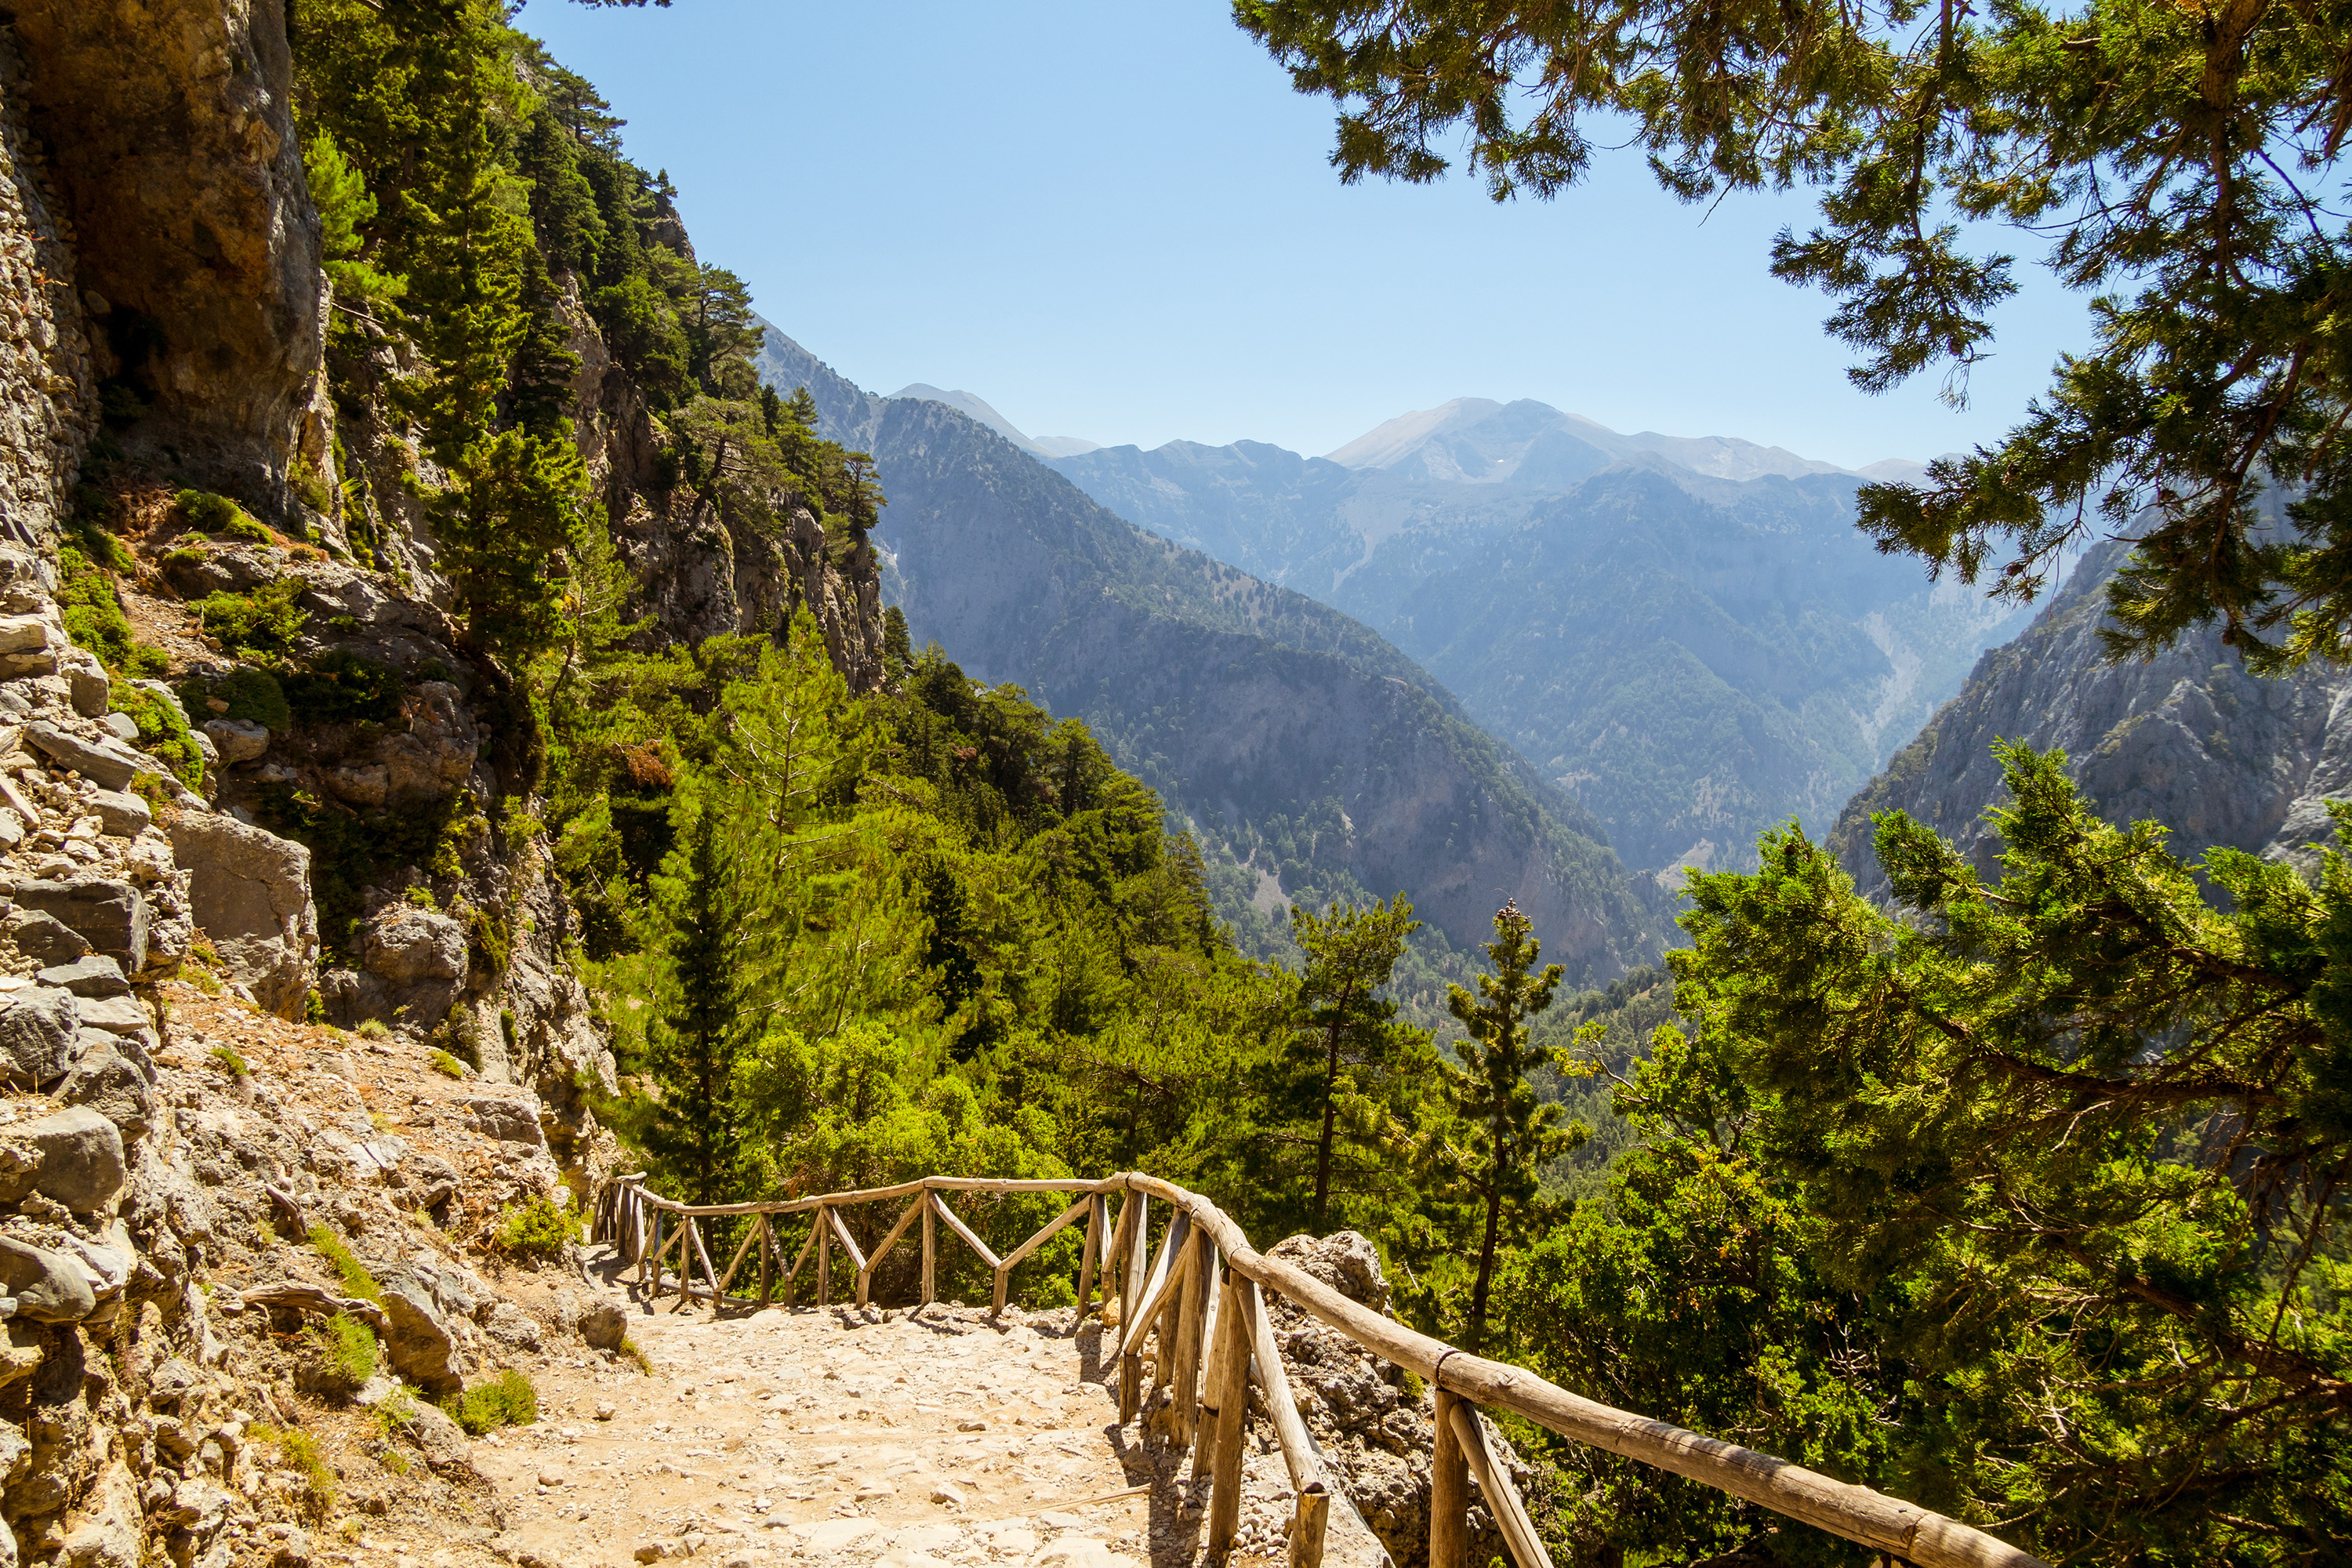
(1167, 1297)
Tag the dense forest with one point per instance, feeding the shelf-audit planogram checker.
(2023, 1199)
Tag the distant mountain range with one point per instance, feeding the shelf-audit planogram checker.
(1042, 446)
(1313, 758)
(1687, 633)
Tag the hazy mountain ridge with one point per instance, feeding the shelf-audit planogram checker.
(1696, 655)
(1298, 741)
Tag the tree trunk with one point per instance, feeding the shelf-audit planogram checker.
(1477, 1335)
(1330, 1115)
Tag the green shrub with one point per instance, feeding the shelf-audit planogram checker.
(422, 897)
(314, 1008)
(92, 613)
(230, 1062)
(357, 1281)
(538, 1230)
(508, 1400)
(163, 731)
(371, 1029)
(212, 513)
(252, 696)
(262, 625)
(443, 1062)
(339, 686)
(635, 1354)
(301, 1449)
(347, 1350)
(185, 555)
(253, 532)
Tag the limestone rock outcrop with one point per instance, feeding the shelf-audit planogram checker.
(196, 249)
(252, 897)
(2186, 739)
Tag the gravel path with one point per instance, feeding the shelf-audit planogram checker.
(836, 1437)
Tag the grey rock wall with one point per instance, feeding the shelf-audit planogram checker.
(2186, 739)
(48, 385)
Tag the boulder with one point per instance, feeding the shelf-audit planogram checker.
(87, 685)
(121, 726)
(364, 785)
(236, 740)
(121, 814)
(511, 1325)
(605, 1326)
(110, 761)
(96, 975)
(43, 938)
(510, 1119)
(38, 1033)
(50, 1286)
(115, 1015)
(110, 1083)
(78, 1158)
(1346, 1261)
(420, 1346)
(436, 753)
(252, 895)
(407, 945)
(441, 1440)
(110, 915)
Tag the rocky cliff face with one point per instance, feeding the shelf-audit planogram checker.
(2186, 739)
(205, 870)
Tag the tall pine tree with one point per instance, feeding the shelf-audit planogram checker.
(1509, 1135)
(1346, 1045)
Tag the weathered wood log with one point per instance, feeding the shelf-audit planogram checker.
(654, 1255)
(1310, 1517)
(930, 1248)
(1087, 1255)
(1298, 1455)
(1132, 1262)
(1503, 1500)
(1225, 1449)
(1171, 1304)
(1004, 1267)
(1115, 1285)
(1213, 1294)
(1886, 1524)
(1449, 1490)
(767, 1261)
(1184, 1361)
(750, 1235)
(1166, 1272)
(866, 1275)
(984, 1184)
(964, 1231)
(816, 1234)
(849, 1250)
(823, 1259)
(296, 1296)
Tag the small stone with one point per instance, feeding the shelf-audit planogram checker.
(652, 1550)
(947, 1493)
(970, 1425)
(604, 1326)
(115, 1015)
(551, 1478)
(605, 1411)
(123, 724)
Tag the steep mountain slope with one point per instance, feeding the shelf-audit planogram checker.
(2186, 739)
(1694, 656)
(1303, 744)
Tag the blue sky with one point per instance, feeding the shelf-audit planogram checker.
(1116, 220)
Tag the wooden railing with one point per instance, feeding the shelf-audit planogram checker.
(1202, 1296)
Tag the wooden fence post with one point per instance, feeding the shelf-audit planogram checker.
(1086, 1260)
(1222, 1448)
(1308, 1521)
(930, 1248)
(1449, 1492)
(656, 1252)
(1184, 1358)
(767, 1261)
(823, 1260)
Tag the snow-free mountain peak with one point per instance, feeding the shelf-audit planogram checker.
(1524, 442)
(980, 409)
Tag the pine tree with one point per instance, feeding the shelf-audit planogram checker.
(1345, 1042)
(695, 1043)
(1509, 1135)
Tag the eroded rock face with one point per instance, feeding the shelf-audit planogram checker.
(1376, 1438)
(252, 896)
(172, 127)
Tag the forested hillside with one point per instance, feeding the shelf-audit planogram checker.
(1693, 656)
(1301, 746)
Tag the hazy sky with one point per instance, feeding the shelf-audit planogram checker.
(1116, 220)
